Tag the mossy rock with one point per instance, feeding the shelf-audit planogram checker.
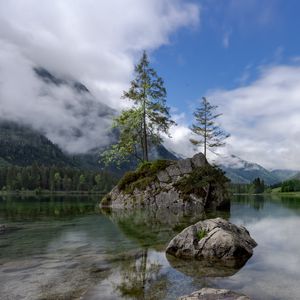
(143, 176)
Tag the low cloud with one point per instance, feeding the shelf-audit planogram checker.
(93, 42)
(262, 118)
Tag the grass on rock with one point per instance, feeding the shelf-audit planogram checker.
(143, 176)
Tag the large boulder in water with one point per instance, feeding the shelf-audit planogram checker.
(214, 240)
(188, 184)
(214, 294)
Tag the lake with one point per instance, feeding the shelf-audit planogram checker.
(67, 248)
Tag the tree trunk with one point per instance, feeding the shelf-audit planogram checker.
(205, 127)
(145, 133)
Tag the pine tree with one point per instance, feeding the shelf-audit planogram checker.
(141, 126)
(211, 135)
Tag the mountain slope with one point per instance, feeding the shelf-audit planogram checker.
(283, 175)
(21, 145)
(241, 171)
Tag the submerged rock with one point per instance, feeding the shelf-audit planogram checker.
(214, 240)
(188, 184)
(202, 268)
(214, 294)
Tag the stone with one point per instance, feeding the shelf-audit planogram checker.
(167, 188)
(185, 166)
(198, 160)
(173, 170)
(214, 294)
(163, 176)
(202, 268)
(214, 240)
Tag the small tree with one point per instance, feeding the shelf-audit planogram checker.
(211, 135)
(142, 125)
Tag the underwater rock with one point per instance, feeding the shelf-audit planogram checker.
(214, 294)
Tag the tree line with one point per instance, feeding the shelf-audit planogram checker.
(257, 186)
(54, 178)
(292, 185)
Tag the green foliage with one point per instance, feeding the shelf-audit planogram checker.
(143, 176)
(23, 146)
(142, 124)
(201, 234)
(205, 127)
(292, 185)
(258, 186)
(201, 179)
(54, 178)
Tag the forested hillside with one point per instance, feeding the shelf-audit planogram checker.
(23, 146)
(36, 177)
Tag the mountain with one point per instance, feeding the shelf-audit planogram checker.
(21, 145)
(283, 175)
(242, 171)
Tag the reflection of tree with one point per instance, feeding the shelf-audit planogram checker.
(34, 208)
(138, 276)
(255, 201)
(155, 227)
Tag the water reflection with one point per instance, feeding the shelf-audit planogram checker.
(36, 208)
(204, 268)
(120, 254)
(155, 228)
(255, 201)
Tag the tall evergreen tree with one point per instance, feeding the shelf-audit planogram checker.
(205, 127)
(142, 125)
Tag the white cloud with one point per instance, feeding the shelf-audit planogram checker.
(263, 117)
(94, 42)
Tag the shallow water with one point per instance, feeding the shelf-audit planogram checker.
(66, 248)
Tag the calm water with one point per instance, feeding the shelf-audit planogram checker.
(66, 248)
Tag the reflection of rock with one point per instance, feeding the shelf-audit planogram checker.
(154, 227)
(201, 268)
(214, 240)
(187, 184)
(214, 294)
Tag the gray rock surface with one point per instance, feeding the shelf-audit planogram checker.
(202, 268)
(214, 294)
(214, 240)
(163, 192)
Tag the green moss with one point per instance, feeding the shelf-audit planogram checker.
(201, 234)
(200, 178)
(106, 200)
(143, 176)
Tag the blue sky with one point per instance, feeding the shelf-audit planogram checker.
(198, 60)
(244, 55)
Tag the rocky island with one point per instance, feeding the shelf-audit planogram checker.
(186, 184)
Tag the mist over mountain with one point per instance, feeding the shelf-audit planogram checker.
(242, 171)
(23, 146)
(60, 107)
